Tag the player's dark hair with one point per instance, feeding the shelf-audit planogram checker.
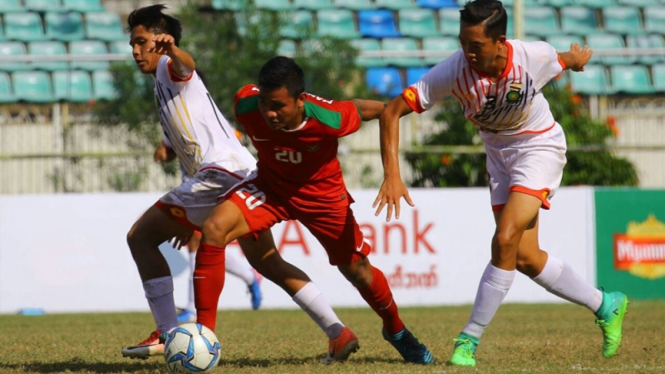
(281, 72)
(489, 11)
(152, 19)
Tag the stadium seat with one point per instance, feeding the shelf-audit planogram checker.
(562, 42)
(337, 23)
(73, 85)
(273, 4)
(2, 32)
(638, 3)
(595, 3)
(608, 41)
(592, 81)
(377, 24)
(13, 49)
(401, 45)
(511, 3)
(647, 41)
(311, 46)
(658, 72)
(313, 4)
(654, 19)
(48, 48)
(541, 21)
(83, 5)
(418, 23)
(510, 28)
(439, 44)
(104, 26)
(230, 5)
(623, 20)
(297, 25)
(286, 47)
(6, 95)
(64, 26)
(396, 4)
(631, 79)
(102, 85)
(449, 21)
(384, 81)
(355, 4)
(11, 6)
(44, 5)
(369, 44)
(33, 86)
(119, 46)
(558, 3)
(437, 4)
(26, 27)
(579, 21)
(88, 47)
(413, 75)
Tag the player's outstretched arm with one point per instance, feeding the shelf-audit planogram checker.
(577, 57)
(183, 63)
(392, 189)
(369, 109)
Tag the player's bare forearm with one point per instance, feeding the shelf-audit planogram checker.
(369, 109)
(389, 135)
(576, 58)
(183, 63)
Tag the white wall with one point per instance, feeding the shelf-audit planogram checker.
(67, 253)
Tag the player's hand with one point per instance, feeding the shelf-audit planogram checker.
(181, 240)
(164, 44)
(579, 56)
(391, 192)
(161, 154)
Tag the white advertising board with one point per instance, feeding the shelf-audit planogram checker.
(67, 253)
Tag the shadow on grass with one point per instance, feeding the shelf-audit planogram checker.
(78, 365)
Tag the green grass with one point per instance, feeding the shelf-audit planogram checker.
(522, 339)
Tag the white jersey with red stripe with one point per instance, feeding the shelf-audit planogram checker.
(512, 105)
(194, 127)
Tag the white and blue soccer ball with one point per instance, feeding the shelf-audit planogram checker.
(192, 348)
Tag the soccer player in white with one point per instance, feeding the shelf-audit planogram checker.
(498, 82)
(215, 161)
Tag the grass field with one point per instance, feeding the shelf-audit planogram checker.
(522, 339)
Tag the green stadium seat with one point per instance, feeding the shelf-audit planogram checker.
(286, 47)
(297, 25)
(311, 46)
(631, 79)
(592, 81)
(623, 20)
(120, 47)
(510, 28)
(11, 6)
(608, 41)
(638, 3)
(273, 4)
(355, 4)
(558, 3)
(83, 5)
(579, 21)
(562, 42)
(417, 23)
(449, 21)
(26, 27)
(102, 85)
(654, 19)
(595, 3)
(337, 23)
(2, 32)
(313, 4)
(658, 72)
(229, 5)
(647, 41)
(73, 85)
(442, 44)
(44, 5)
(64, 26)
(48, 48)
(6, 95)
(13, 49)
(527, 3)
(541, 21)
(33, 86)
(401, 45)
(368, 44)
(86, 48)
(396, 4)
(104, 26)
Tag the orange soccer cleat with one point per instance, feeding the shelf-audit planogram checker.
(340, 348)
(152, 346)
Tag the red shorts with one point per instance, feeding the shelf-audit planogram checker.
(335, 228)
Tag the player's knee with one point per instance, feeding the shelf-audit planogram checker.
(358, 273)
(215, 231)
(507, 239)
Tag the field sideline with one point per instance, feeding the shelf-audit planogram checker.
(560, 338)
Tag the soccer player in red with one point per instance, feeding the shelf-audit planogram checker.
(298, 177)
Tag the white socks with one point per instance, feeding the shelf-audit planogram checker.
(159, 292)
(190, 296)
(239, 268)
(494, 286)
(559, 279)
(310, 300)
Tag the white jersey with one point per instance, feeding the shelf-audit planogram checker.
(512, 105)
(194, 127)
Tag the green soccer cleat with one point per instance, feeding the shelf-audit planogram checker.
(610, 319)
(465, 351)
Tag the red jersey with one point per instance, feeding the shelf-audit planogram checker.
(301, 165)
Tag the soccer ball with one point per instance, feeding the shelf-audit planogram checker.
(192, 348)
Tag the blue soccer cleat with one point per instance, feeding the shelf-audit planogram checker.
(411, 349)
(186, 316)
(255, 291)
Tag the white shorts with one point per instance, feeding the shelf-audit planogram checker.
(191, 202)
(526, 163)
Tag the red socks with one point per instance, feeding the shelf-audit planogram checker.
(208, 283)
(379, 297)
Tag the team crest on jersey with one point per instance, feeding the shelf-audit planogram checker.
(314, 147)
(514, 95)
